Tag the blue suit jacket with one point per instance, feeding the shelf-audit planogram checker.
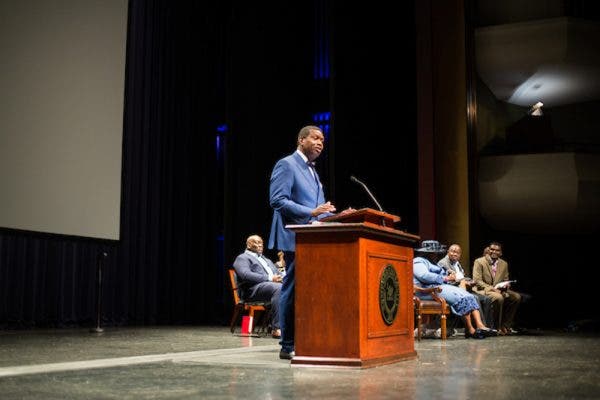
(250, 272)
(294, 193)
(427, 274)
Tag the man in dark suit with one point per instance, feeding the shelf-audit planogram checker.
(296, 196)
(259, 279)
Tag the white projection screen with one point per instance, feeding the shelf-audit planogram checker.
(62, 73)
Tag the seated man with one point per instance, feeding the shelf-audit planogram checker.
(427, 274)
(488, 272)
(259, 279)
(451, 263)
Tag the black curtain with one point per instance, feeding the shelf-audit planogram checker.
(273, 93)
(187, 204)
(373, 99)
(270, 97)
(167, 266)
(47, 280)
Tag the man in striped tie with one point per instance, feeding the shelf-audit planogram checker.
(490, 274)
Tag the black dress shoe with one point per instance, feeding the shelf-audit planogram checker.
(478, 334)
(284, 355)
(489, 332)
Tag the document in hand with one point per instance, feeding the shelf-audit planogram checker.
(503, 284)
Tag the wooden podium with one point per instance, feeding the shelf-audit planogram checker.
(354, 291)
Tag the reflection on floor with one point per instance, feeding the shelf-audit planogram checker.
(209, 362)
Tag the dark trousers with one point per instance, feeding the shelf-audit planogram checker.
(268, 291)
(286, 303)
(485, 308)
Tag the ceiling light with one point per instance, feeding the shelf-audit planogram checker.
(536, 109)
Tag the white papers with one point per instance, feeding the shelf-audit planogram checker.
(503, 284)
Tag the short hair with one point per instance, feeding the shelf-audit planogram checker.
(454, 245)
(495, 243)
(252, 238)
(305, 131)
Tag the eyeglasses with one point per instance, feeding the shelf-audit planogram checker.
(496, 250)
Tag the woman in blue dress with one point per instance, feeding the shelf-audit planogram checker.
(462, 303)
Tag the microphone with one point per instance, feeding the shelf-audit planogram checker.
(353, 179)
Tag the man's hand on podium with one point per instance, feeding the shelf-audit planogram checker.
(323, 208)
(347, 211)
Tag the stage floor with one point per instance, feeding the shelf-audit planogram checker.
(208, 362)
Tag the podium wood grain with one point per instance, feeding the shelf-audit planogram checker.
(338, 272)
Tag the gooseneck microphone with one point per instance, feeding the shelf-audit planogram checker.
(353, 179)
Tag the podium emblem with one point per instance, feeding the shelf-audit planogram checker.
(389, 294)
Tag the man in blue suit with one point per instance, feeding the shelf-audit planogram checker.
(259, 279)
(296, 196)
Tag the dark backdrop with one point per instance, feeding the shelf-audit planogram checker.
(214, 96)
(374, 105)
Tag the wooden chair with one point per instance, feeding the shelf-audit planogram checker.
(253, 308)
(426, 308)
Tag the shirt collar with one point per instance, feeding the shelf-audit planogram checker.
(252, 253)
(302, 155)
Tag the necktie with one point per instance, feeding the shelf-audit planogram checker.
(494, 267)
(311, 165)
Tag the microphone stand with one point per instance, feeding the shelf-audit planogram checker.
(354, 179)
(101, 257)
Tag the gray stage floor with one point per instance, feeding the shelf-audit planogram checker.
(209, 362)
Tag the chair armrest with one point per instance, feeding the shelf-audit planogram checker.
(433, 292)
(430, 290)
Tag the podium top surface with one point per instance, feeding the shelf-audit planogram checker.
(365, 221)
(359, 228)
(365, 215)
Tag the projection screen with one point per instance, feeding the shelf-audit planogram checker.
(62, 74)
